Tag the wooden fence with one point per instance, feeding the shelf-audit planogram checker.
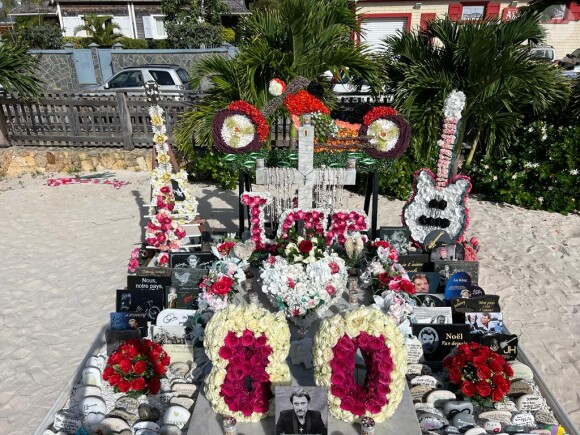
(108, 120)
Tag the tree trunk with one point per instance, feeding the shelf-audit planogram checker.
(472, 151)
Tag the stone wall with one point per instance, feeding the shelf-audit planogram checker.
(56, 69)
(16, 161)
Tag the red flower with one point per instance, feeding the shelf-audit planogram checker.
(165, 189)
(125, 365)
(159, 369)
(455, 375)
(108, 372)
(139, 367)
(497, 395)
(408, 286)
(468, 388)
(115, 379)
(115, 358)
(305, 246)
(138, 384)
(257, 116)
(333, 267)
(154, 386)
(483, 372)
(379, 243)
(384, 279)
(378, 112)
(483, 388)
(302, 102)
(124, 386)
(507, 369)
(223, 286)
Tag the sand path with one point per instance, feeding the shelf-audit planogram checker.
(64, 251)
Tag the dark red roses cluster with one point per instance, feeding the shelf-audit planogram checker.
(479, 372)
(372, 396)
(136, 367)
(376, 113)
(221, 287)
(225, 248)
(246, 387)
(302, 102)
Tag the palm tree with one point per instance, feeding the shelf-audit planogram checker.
(18, 71)
(489, 62)
(101, 29)
(294, 38)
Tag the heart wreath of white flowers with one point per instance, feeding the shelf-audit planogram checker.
(246, 342)
(383, 350)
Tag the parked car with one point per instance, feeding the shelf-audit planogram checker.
(168, 77)
(546, 52)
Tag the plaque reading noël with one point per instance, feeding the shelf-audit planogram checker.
(438, 340)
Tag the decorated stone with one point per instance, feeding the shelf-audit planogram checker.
(146, 432)
(176, 415)
(92, 376)
(492, 426)
(67, 421)
(93, 418)
(428, 407)
(512, 428)
(524, 419)
(544, 417)
(127, 403)
(166, 396)
(148, 413)
(520, 388)
(85, 391)
(521, 371)
(541, 431)
(127, 416)
(186, 402)
(414, 350)
(529, 402)
(451, 430)
(476, 431)
(463, 421)
(418, 392)
(184, 389)
(92, 404)
(111, 425)
(455, 406)
(97, 362)
(501, 416)
(508, 405)
(146, 425)
(430, 381)
(417, 369)
(179, 369)
(437, 395)
(429, 421)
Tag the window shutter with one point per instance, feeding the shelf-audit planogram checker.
(426, 18)
(574, 11)
(492, 10)
(455, 12)
(148, 27)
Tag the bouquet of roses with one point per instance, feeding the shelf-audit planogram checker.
(218, 286)
(301, 249)
(384, 272)
(479, 373)
(136, 367)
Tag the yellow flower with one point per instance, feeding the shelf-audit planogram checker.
(159, 139)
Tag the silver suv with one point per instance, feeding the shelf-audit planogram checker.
(168, 77)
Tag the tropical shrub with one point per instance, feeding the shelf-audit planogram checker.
(228, 34)
(77, 41)
(132, 43)
(47, 37)
(189, 33)
(18, 70)
(100, 29)
(540, 172)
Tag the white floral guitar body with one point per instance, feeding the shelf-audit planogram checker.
(434, 208)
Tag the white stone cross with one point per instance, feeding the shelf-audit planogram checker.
(306, 177)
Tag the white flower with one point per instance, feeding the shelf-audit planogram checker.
(541, 199)
(495, 178)
(550, 188)
(384, 134)
(544, 136)
(276, 87)
(238, 131)
(454, 105)
(573, 171)
(485, 166)
(514, 176)
(508, 162)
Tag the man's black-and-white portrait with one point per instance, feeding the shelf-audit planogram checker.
(301, 410)
(398, 238)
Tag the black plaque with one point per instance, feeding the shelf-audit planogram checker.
(140, 282)
(115, 338)
(483, 304)
(447, 268)
(418, 262)
(139, 301)
(153, 271)
(187, 260)
(504, 344)
(439, 340)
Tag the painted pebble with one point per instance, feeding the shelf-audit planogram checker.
(184, 389)
(492, 426)
(519, 388)
(146, 425)
(438, 395)
(93, 418)
(92, 404)
(501, 416)
(455, 406)
(179, 369)
(186, 402)
(429, 421)
(463, 421)
(524, 419)
(508, 405)
(544, 417)
(476, 431)
(128, 404)
(414, 350)
(428, 407)
(67, 421)
(521, 371)
(418, 369)
(176, 415)
(529, 402)
(112, 425)
(418, 392)
(127, 416)
(170, 430)
(92, 376)
(85, 391)
(430, 381)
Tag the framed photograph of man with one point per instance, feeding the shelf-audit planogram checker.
(425, 282)
(301, 410)
(484, 323)
(451, 252)
(398, 237)
(437, 315)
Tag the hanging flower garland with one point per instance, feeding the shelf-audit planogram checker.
(382, 347)
(452, 111)
(387, 132)
(246, 342)
(257, 201)
(239, 128)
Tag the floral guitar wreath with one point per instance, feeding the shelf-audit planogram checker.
(246, 342)
(382, 347)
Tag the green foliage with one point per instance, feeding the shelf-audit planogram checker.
(299, 38)
(77, 41)
(158, 44)
(189, 33)
(489, 62)
(209, 165)
(324, 126)
(48, 37)
(228, 34)
(541, 171)
(208, 10)
(132, 43)
(100, 29)
(18, 70)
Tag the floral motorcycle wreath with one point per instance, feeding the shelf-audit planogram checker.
(383, 350)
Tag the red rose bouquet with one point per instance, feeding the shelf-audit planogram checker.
(220, 284)
(136, 367)
(479, 373)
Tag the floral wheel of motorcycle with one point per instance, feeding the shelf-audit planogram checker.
(248, 347)
(235, 132)
(388, 135)
(382, 347)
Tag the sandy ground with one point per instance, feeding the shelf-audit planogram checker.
(64, 251)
